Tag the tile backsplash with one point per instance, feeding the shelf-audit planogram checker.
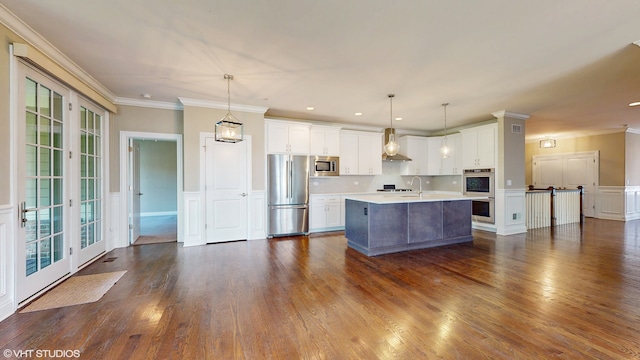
(391, 174)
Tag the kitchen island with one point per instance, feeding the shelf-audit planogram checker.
(381, 224)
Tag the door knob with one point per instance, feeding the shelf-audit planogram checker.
(243, 194)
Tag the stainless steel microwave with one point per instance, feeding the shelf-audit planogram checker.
(324, 166)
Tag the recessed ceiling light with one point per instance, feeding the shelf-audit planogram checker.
(635, 103)
(358, 114)
(146, 96)
(310, 108)
(398, 119)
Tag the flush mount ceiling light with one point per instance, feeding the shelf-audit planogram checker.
(229, 129)
(547, 143)
(635, 103)
(444, 150)
(310, 108)
(391, 148)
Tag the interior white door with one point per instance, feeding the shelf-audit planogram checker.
(90, 164)
(547, 171)
(226, 195)
(43, 169)
(134, 190)
(580, 170)
(569, 171)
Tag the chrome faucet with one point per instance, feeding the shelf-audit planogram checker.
(420, 180)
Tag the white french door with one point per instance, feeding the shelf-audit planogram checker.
(60, 181)
(91, 195)
(43, 129)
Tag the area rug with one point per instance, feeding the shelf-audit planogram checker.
(76, 290)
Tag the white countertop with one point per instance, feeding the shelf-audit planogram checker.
(408, 197)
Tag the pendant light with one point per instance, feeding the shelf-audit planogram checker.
(229, 129)
(444, 150)
(391, 148)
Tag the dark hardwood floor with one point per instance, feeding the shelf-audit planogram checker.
(570, 293)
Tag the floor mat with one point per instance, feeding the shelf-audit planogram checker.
(76, 290)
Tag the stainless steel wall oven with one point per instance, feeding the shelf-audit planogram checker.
(481, 182)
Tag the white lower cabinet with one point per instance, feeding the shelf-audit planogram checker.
(325, 212)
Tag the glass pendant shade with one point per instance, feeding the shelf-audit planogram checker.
(229, 129)
(444, 150)
(391, 148)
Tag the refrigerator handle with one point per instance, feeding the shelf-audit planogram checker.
(288, 182)
(291, 180)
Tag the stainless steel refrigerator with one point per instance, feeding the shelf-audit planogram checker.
(288, 194)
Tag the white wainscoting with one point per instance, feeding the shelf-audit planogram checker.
(258, 215)
(7, 258)
(117, 236)
(510, 211)
(193, 215)
(611, 203)
(632, 202)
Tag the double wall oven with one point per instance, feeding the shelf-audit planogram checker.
(481, 182)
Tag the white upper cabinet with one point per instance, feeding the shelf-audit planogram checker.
(415, 148)
(452, 165)
(287, 138)
(360, 153)
(324, 140)
(348, 153)
(479, 146)
(370, 153)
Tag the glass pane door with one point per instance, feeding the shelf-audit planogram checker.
(91, 183)
(43, 255)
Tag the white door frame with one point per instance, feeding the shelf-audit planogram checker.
(124, 176)
(247, 139)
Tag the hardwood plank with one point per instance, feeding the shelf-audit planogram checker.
(569, 292)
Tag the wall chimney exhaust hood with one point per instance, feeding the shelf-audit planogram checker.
(396, 157)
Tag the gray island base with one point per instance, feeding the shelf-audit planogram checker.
(378, 226)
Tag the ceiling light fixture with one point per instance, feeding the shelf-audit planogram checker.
(391, 148)
(635, 103)
(229, 129)
(310, 108)
(547, 143)
(358, 114)
(444, 150)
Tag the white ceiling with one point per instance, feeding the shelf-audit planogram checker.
(571, 65)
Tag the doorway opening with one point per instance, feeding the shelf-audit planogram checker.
(151, 183)
(157, 171)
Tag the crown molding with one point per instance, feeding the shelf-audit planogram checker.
(223, 105)
(581, 134)
(505, 113)
(15, 24)
(149, 104)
